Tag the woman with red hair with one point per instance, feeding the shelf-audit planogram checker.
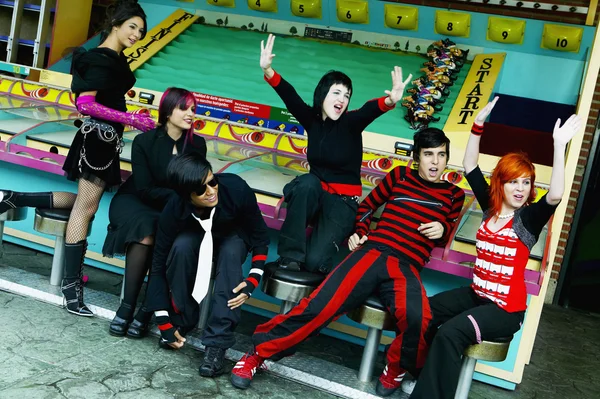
(135, 208)
(494, 305)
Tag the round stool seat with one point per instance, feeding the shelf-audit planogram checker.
(14, 215)
(54, 221)
(289, 285)
(491, 351)
(373, 314)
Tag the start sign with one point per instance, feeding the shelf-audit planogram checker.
(475, 92)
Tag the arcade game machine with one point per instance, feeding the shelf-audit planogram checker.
(459, 61)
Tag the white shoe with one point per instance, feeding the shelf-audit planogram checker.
(408, 385)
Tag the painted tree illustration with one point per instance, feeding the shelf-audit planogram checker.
(201, 20)
(243, 27)
(219, 22)
(418, 48)
(226, 21)
(262, 27)
(250, 25)
(266, 27)
(406, 47)
(397, 46)
(356, 42)
(293, 30)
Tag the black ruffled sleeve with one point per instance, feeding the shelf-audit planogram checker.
(99, 69)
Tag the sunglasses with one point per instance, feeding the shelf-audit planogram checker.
(213, 183)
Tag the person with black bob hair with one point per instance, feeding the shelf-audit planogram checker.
(101, 78)
(420, 213)
(327, 197)
(211, 214)
(135, 208)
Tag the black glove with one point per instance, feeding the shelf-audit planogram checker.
(167, 330)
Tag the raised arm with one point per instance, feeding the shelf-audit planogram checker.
(562, 135)
(472, 151)
(371, 110)
(293, 102)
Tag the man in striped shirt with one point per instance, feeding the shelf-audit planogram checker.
(420, 213)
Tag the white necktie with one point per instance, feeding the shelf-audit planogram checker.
(204, 259)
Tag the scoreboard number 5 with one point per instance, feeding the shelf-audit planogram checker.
(306, 8)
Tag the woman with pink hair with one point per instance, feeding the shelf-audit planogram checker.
(494, 305)
(135, 208)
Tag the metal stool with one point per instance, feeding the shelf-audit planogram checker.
(12, 215)
(54, 222)
(374, 315)
(289, 286)
(491, 351)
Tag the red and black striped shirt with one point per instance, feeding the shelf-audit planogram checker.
(409, 202)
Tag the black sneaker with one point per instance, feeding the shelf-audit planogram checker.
(212, 364)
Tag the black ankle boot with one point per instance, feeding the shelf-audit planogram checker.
(139, 326)
(119, 325)
(13, 199)
(72, 286)
(6, 200)
(73, 293)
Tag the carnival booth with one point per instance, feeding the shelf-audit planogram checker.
(459, 61)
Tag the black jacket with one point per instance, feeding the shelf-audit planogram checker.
(236, 212)
(151, 153)
(335, 148)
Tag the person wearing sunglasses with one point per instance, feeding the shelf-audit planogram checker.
(212, 217)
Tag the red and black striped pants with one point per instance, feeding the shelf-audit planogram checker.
(365, 271)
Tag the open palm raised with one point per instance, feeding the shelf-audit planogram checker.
(398, 85)
(563, 134)
(266, 52)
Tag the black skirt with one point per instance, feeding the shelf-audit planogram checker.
(131, 220)
(99, 162)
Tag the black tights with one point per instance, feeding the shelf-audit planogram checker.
(137, 263)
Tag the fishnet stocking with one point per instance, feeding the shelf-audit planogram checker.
(84, 208)
(63, 200)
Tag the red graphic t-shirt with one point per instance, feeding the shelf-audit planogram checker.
(499, 273)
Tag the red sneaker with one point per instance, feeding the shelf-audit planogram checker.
(389, 381)
(245, 368)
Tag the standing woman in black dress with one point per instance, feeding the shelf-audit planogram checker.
(135, 209)
(101, 78)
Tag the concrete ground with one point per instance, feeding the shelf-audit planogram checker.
(47, 353)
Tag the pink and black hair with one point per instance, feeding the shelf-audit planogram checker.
(175, 97)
